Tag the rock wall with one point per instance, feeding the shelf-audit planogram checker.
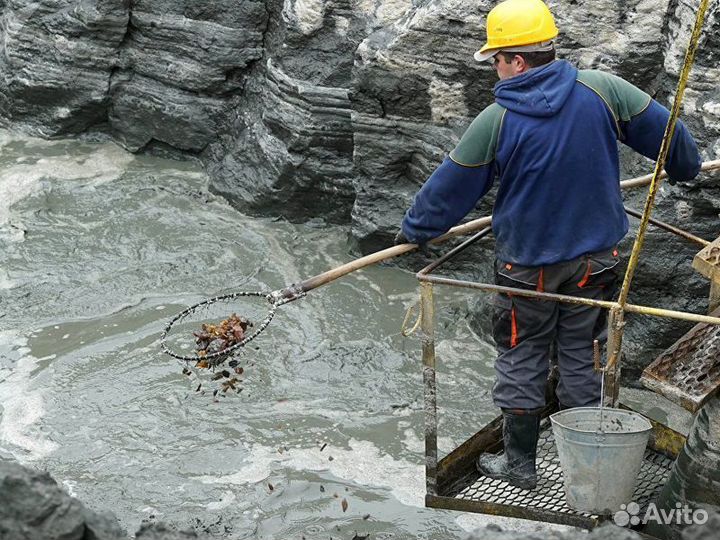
(340, 109)
(34, 507)
(695, 476)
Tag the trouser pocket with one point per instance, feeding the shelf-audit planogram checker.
(601, 272)
(507, 320)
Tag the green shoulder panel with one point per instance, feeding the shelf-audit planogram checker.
(477, 146)
(624, 99)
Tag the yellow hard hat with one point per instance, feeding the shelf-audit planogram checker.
(519, 25)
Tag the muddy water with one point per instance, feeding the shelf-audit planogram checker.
(98, 248)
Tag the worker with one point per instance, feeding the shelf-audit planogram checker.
(550, 138)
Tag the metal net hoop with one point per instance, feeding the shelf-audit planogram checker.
(223, 354)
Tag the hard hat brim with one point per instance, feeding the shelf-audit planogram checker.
(483, 55)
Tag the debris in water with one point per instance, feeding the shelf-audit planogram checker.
(224, 374)
(322, 488)
(271, 487)
(230, 384)
(366, 517)
(215, 338)
(344, 505)
(323, 447)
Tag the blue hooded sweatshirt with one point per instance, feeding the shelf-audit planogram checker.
(551, 140)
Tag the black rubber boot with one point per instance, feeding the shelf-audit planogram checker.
(521, 429)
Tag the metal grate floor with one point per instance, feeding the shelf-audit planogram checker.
(688, 373)
(549, 494)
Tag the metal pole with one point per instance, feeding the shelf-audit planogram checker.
(578, 300)
(670, 228)
(611, 373)
(428, 356)
(457, 249)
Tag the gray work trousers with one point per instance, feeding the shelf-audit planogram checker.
(525, 330)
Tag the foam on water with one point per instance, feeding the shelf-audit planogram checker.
(106, 162)
(5, 281)
(22, 407)
(227, 498)
(362, 463)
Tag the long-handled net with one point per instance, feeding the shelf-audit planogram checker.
(209, 337)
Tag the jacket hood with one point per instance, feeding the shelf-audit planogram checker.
(541, 91)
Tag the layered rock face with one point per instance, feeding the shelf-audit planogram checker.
(56, 62)
(146, 70)
(341, 109)
(179, 63)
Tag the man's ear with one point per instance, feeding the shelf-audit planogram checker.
(519, 63)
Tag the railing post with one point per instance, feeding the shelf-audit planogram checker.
(428, 356)
(616, 322)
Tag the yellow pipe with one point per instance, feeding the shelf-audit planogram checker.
(671, 314)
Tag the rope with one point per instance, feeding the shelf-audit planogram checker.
(615, 346)
(404, 329)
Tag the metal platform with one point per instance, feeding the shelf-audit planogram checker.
(472, 492)
(688, 373)
(454, 483)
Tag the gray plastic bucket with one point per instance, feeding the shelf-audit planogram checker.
(600, 466)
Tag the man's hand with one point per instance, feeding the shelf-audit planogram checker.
(400, 238)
